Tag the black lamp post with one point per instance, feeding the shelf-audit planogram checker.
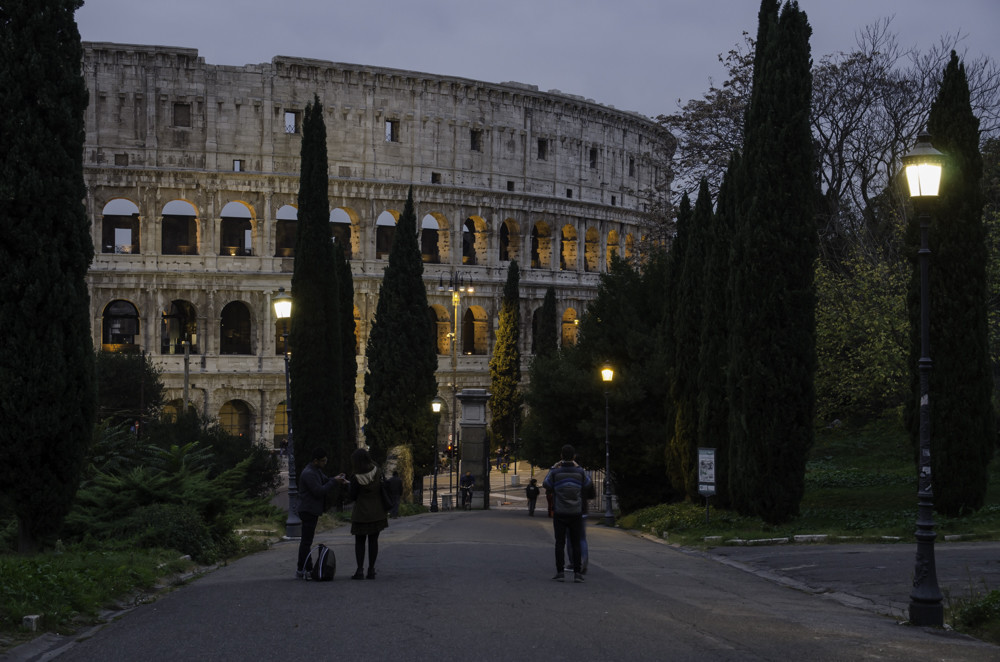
(607, 374)
(436, 408)
(923, 174)
(456, 285)
(282, 303)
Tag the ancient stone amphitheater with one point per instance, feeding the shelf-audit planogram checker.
(192, 177)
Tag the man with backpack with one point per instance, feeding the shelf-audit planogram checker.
(568, 482)
(314, 485)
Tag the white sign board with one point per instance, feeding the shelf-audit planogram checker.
(706, 471)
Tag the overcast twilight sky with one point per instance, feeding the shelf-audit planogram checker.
(638, 55)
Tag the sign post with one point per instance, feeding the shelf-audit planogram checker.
(706, 475)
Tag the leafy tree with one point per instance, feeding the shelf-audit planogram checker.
(772, 327)
(129, 388)
(315, 340)
(963, 424)
(545, 335)
(401, 354)
(47, 387)
(505, 364)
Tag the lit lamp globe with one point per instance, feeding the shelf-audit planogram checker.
(923, 165)
(282, 303)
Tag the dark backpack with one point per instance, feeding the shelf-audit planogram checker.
(321, 564)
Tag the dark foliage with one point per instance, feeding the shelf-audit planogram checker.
(47, 391)
(505, 365)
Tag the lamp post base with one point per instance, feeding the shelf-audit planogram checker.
(927, 614)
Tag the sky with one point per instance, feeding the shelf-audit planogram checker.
(647, 56)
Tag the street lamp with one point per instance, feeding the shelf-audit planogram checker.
(923, 174)
(282, 303)
(436, 408)
(456, 285)
(607, 374)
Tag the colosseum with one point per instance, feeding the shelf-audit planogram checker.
(192, 178)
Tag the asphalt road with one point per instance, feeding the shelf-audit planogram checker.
(476, 586)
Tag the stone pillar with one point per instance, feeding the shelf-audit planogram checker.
(474, 446)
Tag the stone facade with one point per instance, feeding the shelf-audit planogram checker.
(192, 177)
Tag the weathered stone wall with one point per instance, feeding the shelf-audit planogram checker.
(561, 173)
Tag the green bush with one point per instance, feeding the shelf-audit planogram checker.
(170, 526)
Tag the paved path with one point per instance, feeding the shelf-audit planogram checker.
(476, 585)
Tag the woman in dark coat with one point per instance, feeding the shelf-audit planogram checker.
(368, 517)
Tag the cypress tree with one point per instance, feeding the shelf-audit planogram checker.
(505, 364)
(348, 356)
(315, 336)
(676, 456)
(713, 405)
(962, 424)
(687, 339)
(402, 356)
(772, 322)
(546, 334)
(47, 382)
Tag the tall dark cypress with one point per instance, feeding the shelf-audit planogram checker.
(687, 339)
(713, 403)
(546, 333)
(772, 326)
(505, 364)
(47, 383)
(402, 355)
(315, 336)
(961, 384)
(677, 459)
(348, 355)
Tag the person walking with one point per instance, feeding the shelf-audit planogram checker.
(532, 493)
(368, 517)
(567, 481)
(396, 492)
(314, 485)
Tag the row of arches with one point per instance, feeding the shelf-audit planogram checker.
(181, 329)
(542, 244)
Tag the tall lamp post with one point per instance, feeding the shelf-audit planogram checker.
(923, 175)
(607, 374)
(456, 285)
(282, 303)
(436, 405)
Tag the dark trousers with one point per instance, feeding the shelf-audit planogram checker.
(359, 550)
(531, 506)
(573, 524)
(308, 532)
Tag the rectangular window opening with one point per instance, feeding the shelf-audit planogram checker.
(631, 167)
(510, 185)
(392, 131)
(237, 165)
(435, 178)
(543, 149)
(121, 159)
(182, 114)
(292, 121)
(569, 193)
(593, 158)
(476, 137)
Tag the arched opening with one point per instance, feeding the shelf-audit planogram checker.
(286, 229)
(236, 230)
(629, 247)
(474, 331)
(469, 242)
(282, 327)
(340, 231)
(179, 325)
(430, 250)
(510, 240)
(172, 410)
(120, 227)
(235, 330)
(180, 228)
(570, 327)
(235, 418)
(280, 424)
(592, 251)
(567, 253)
(120, 327)
(385, 231)
(613, 248)
(541, 246)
